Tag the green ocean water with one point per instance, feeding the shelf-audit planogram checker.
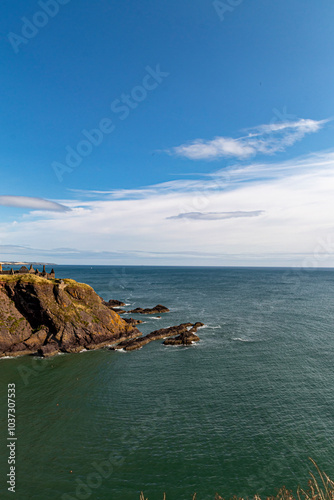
(238, 413)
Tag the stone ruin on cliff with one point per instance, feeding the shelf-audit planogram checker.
(31, 270)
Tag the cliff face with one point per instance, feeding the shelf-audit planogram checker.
(49, 316)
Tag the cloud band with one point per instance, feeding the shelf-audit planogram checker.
(32, 203)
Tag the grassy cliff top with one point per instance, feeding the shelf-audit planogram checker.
(25, 278)
(38, 280)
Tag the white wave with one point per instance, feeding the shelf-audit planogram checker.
(21, 356)
(239, 339)
(176, 345)
(153, 317)
(212, 327)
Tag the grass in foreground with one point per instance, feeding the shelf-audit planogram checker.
(319, 488)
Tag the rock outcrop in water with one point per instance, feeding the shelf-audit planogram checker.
(116, 305)
(113, 303)
(185, 331)
(186, 337)
(50, 316)
(132, 321)
(158, 309)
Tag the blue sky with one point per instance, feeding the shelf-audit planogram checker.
(214, 131)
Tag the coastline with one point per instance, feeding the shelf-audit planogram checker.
(41, 315)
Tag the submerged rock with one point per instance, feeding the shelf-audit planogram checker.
(40, 316)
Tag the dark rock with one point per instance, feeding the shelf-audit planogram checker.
(48, 350)
(114, 303)
(197, 326)
(132, 321)
(158, 309)
(185, 338)
(182, 330)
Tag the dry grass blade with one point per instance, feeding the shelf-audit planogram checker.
(324, 491)
(328, 496)
(306, 496)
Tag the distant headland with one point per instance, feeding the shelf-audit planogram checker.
(14, 263)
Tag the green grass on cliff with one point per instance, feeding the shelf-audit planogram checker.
(25, 278)
(320, 487)
(39, 280)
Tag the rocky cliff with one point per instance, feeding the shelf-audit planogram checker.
(39, 316)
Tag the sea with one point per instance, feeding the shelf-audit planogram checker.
(239, 413)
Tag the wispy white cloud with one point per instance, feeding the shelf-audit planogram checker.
(32, 203)
(216, 215)
(134, 227)
(28, 252)
(264, 139)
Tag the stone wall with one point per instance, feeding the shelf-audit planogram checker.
(31, 270)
